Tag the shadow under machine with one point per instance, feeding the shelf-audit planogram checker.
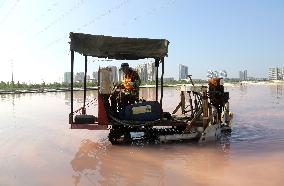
(203, 110)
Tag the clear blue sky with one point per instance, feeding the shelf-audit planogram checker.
(221, 34)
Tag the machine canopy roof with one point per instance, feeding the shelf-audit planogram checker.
(118, 47)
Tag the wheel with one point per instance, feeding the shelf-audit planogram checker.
(114, 136)
(117, 132)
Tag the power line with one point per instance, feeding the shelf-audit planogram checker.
(106, 13)
(46, 12)
(99, 17)
(53, 22)
(92, 21)
(37, 19)
(62, 16)
(109, 11)
(150, 12)
(3, 2)
(6, 16)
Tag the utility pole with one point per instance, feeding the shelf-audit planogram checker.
(12, 69)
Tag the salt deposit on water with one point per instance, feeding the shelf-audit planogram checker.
(38, 148)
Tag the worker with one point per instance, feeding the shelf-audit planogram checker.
(130, 86)
(216, 93)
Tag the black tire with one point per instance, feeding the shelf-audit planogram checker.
(114, 136)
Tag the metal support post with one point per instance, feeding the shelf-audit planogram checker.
(72, 74)
(205, 107)
(157, 77)
(85, 85)
(162, 83)
(190, 103)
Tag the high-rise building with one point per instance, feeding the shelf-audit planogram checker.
(96, 76)
(67, 77)
(243, 75)
(147, 71)
(79, 77)
(142, 71)
(275, 73)
(151, 71)
(183, 72)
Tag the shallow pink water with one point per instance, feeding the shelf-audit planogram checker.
(38, 148)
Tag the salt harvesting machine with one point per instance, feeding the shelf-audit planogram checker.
(203, 110)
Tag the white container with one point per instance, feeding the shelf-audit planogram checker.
(106, 80)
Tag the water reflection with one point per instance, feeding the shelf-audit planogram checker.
(41, 145)
(104, 164)
(100, 163)
(243, 88)
(147, 94)
(9, 100)
(78, 96)
(9, 97)
(277, 90)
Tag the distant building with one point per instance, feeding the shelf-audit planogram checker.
(223, 74)
(169, 79)
(88, 78)
(95, 76)
(183, 72)
(275, 73)
(216, 73)
(243, 75)
(272, 73)
(79, 77)
(142, 71)
(151, 71)
(147, 71)
(67, 77)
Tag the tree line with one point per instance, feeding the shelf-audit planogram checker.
(43, 85)
(56, 85)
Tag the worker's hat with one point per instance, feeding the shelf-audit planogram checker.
(124, 65)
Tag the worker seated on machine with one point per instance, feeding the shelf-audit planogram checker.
(130, 86)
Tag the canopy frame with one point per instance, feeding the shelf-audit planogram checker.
(119, 48)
